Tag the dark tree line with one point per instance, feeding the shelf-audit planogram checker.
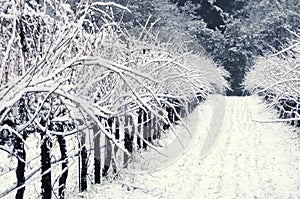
(236, 32)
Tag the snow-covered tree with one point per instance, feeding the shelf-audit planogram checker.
(67, 78)
(276, 77)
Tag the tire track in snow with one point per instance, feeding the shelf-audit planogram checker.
(215, 124)
(247, 149)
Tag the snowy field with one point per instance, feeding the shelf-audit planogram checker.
(227, 155)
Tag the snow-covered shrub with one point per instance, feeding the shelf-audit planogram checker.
(67, 78)
(277, 78)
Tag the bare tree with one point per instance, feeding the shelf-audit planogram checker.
(72, 70)
(276, 78)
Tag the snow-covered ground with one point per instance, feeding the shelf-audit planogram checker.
(228, 155)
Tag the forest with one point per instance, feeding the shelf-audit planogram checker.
(86, 85)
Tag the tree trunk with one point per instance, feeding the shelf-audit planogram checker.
(145, 129)
(115, 131)
(178, 110)
(128, 144)
(131, 133)
(107, 158)
(154, 127)
(189, 107)
(64, 166)
(150, 127)
(97, 155)
(298, 122)
(21, 153)
(46, 167)
(140, 129)
(84, 164)
(183, 112)
(20, 171)
(171, 114)
(167, 125)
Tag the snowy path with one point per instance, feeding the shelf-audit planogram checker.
(229, 157)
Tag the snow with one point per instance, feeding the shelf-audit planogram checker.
(218, 151)
(228, 156)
